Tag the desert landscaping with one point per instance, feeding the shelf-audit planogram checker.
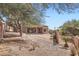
(39, 29)
(31, 44)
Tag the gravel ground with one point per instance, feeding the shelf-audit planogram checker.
(32, 45)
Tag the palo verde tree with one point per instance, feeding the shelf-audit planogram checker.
(32, 13)
(18, 14)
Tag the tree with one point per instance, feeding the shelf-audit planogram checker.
(70, 27)
(21, 14)
(60, 7)
(32, 13)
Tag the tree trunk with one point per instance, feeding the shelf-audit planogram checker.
(20, 27)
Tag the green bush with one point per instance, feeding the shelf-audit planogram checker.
(70, 28)
(66, 38)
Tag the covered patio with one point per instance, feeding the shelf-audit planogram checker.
(37, 29)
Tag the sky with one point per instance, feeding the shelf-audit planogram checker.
(55, 20)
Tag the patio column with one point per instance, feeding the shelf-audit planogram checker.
(36, 29)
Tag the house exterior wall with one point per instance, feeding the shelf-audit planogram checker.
(1, 29)
(45, 29)
(37, 30)
(9, 28)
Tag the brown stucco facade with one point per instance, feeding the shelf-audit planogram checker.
(1, 29)
(37, 29)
